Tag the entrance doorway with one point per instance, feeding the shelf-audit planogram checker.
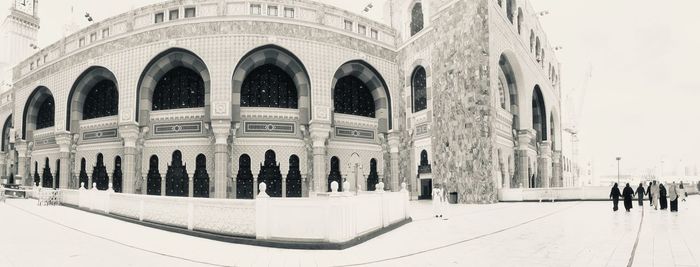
(426, 189)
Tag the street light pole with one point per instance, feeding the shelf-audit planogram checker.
(618, 169)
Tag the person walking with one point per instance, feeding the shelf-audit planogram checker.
(682, 194)
(640, 194)
(673, 196)
(663, 196)
(615, 196)
(651, 198)
(628, 194)
(654, 193)
(437, 201)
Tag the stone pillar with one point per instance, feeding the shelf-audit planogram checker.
(394, 142)
(190, 183)
(130, 135)
(557, 180)
(320, 132)
(63, 139)
(21, 147)
(544, 164)
(88, 170)
(3, 167)
(524, 138)
(222, 130)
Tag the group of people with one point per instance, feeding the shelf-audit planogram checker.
(658, 195)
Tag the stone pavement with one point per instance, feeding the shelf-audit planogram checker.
(504, 234)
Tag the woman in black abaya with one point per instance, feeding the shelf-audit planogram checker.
(662, 197)
(640, 194)
(628, 194)
(615, 195)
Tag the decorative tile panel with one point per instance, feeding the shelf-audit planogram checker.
(101, 134)
(269, 127)
(178, 128)
(354, 133)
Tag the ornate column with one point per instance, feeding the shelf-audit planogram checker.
(21, 147)
(221, 130)
(521, 156)
(130, 135)
(63, 139)
(320, 132)
(394, 141)
(557, 180)
(544, 164)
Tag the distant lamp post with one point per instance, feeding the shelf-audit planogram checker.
(618, 169)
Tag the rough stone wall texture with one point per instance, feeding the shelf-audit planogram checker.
(462, 129)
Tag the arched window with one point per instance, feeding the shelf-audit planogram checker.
(373, 177)
(416, 18)
(537, 49)
(83, 175)
(201, 178)
(501, 93)
(419, 84)
(244, 178)
(101, 101)
(153, 180)
(520, 20)
(270, 174)
(179, 88)
(294, 177)
(117, 175)
(177, 179)
(510, 11)
(539, 115)
(45, 116)
(6, 134)
(99, 174)
(334, 175)
(532, 41)
(37, 178)
(269, 86)
(352, 96)
(46, 175)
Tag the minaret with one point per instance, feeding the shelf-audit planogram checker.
(18, 36)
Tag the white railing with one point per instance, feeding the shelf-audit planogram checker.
(281, 219)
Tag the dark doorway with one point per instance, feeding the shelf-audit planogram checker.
(294, 178)
(334, 175)
(270, 174)
(201, 178)
(153, 182)
(46, 175)
(83, 175)
(99, 174)
(244, 178)
(373, 177)
(57, 184)
(117, 175)
(177, 179)
(426, 189)
(37, 178)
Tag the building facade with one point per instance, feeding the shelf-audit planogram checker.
(209, 98)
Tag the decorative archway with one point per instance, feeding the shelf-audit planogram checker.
(539, 114)
(416, 18)
(7, 126)
(153, 180)
(373, 177)
(46, 176)
(294, 178)
(270, 174)
(83, 177)
(172, 64)
(334, 175)
(201, 178)
(360, 73)
(38, 112)
(244, 178)
(267, 62)
(177, 179)
(93, 95)
(419, 88)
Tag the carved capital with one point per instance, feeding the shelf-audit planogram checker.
(319, 132)
(221, 130)
(394, 140)
(130, 134)
(63, 139)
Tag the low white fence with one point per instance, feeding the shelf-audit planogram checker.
(572, 193)
(329, 218)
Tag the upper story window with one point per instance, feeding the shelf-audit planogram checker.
(289, 12)
(374, 34)
(179, 88)
(93, 37)
(159, 17)
(510, 6)
(419, 84)
(272, 11)
(348, 25)
(101, 101)
(361, 29)
(255, 9)
(105, 33)
(190, 12)
(416, 18)
(269, 86)
(81, 42)
(45, 116)
(174, 14)
(31, 65)
(520, 20)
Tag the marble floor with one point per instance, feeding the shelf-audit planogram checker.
(504, 234)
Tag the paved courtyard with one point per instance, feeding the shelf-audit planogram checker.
(504, 234)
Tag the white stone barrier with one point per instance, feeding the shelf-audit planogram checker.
(553, 194)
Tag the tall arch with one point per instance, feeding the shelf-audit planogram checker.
(201, 178)
(510, 10)
(117, 175)
(376, 85)
(334, 175)
(294, 178)
(39, 107)
(270, 174)
(532, 41)
(83, 177)
(93, 95)
(419, 88)
(99, 173)
(46, 175)
(539, 114)
(244, 178)
(508, 71)
(7, 126)
(520, 20)
(153, 179)
(282, 59)
(417, 19)
(177, 179)
(373, 177)
(168, 62)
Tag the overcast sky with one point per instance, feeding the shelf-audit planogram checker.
(641, 102)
